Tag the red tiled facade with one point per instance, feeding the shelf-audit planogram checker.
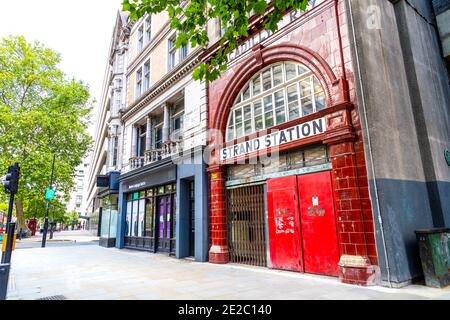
(315, 41)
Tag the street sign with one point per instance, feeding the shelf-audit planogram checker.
(49, 194)
(447, 156)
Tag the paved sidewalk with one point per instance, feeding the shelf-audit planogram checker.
(63, 238)
(92, 272)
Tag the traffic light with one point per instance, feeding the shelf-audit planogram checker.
(11, 179)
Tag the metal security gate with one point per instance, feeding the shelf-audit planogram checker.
(246, 227)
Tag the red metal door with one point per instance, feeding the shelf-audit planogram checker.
(318, 219)
(284, 224)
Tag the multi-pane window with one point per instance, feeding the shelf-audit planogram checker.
(146, 75)
(138, 83)
(149, 216)
(280, 93)
(115, 149)
(148, 29)
(157, 132)
(183, 52)
(119, 65)
(177, 125)
(175, 55)
(141, 142)
(172, 52)
(140, 38)
(117, 100)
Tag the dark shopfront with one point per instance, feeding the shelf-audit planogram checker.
(150, 219)
(147, 201)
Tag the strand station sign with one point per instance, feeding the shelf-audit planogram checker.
(275, 139)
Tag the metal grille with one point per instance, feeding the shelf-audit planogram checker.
(59, 297)
(246, 225)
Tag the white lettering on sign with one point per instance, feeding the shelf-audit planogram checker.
(277, 138)
(315, 201)
(135, 186)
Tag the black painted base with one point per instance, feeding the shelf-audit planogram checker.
(107, 242)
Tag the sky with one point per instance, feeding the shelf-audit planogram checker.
(80, 30)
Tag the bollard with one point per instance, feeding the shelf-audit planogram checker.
(6, 255)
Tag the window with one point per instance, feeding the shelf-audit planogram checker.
(138, 83)
(183, 52)
(146, 75)
(142, 137)
(177, 126)
(115, 147)
(175, 55)
(118, 101)
(148, 216)
(140, 39)
(172, 52)
(148, 29)
(158, 136)
(280, 93)
(119, 68)
(221, 29)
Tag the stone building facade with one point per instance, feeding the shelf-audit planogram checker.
(162, 207)
(106, 157)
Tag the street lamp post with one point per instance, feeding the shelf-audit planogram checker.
(44, 236)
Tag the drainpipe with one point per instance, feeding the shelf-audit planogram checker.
(345, 91)
(369, 144)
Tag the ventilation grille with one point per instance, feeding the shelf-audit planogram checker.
(60, 297)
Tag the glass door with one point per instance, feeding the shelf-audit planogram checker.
(191, 219)
(165, 223)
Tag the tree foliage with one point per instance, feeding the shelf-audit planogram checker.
(190, 17)
(42, 113)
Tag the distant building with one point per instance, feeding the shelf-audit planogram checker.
(78, 200)
(106, 156)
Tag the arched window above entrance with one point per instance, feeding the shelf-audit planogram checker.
(280, 93)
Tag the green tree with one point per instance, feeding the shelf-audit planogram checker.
(190, 20)
(42, 113)
(70, 218)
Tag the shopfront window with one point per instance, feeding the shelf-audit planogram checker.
(109, 216)
(151, 212)
(282, 92)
